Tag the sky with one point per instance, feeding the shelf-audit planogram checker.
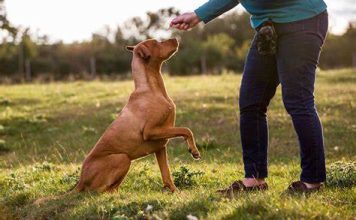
(76, 20)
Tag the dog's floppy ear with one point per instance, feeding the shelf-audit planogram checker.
(143, 52)
(130, 48)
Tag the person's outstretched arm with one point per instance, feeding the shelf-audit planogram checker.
(214, 8)
(205, 13)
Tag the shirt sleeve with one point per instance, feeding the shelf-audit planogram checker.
(214, 8)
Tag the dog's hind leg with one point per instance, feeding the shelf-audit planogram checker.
(119, 173)
(103, 173)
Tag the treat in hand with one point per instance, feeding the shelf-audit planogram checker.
(185, 21)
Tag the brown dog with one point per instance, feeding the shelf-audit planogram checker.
(143, 127)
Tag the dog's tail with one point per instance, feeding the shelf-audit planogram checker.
(72, 190)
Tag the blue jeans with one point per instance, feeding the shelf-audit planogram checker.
(299, 44)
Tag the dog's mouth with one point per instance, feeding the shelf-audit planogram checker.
(171, 53)
(175, 42)
(175, 45)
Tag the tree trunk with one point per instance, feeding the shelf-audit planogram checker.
(28, 76)
(21, 58)
(203, 66)
(92, 67)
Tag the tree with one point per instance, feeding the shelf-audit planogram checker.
(27, 51)
(4, 22)
(212, 47)
(215, 49)
(339, 51)
(221, 44)
(155, 25)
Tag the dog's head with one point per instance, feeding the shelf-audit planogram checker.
(155, 50)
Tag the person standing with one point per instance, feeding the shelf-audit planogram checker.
(285, 50)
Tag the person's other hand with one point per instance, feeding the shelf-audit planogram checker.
(185, 21)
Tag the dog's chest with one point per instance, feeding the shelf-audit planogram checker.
(163, 106)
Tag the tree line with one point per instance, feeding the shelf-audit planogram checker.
(220, 45)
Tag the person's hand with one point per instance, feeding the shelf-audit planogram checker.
(185, 21)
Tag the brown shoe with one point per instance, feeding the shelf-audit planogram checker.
(300, 187)
(238, 186)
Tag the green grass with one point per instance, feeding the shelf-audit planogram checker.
(46, 130)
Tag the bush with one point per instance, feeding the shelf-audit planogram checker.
(184, 178)
(3, 148)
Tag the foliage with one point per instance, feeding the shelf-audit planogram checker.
(213, 48)
(3, 148)
(185, 178)
(4, 22)
(340, 51)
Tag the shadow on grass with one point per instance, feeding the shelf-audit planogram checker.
(198, 207)
(4, 101)
(136, 210)
(93, 206)
(261, 210)
(54, 208)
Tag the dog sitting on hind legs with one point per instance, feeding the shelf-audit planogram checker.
(143, 127)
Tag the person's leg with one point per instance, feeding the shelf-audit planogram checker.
(299, 47)
(258, 86)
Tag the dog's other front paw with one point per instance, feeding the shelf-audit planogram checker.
(195, 154)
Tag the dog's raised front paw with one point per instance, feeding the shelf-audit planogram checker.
(195, 154)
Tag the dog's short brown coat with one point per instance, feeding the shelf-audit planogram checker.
(143, 127)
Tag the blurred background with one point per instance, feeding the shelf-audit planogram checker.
(67, 40)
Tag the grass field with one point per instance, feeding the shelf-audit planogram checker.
(47, 129)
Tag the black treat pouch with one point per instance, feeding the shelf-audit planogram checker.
(266, 40)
